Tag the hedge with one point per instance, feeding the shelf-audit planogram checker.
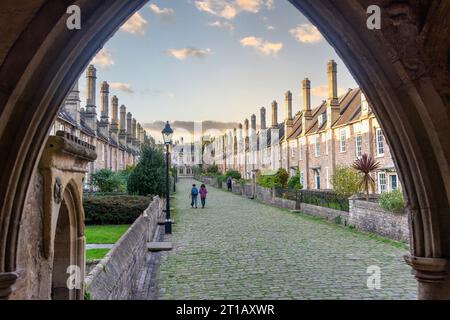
(123, 209)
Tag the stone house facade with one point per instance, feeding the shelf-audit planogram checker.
(313, 141)
(117, 139)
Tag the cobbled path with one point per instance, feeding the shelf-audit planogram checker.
(238, 248)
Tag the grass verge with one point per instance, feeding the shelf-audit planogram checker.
(107, 234)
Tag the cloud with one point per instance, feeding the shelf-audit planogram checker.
(164, 13)
(135, 25)
(229, 9)
(221, 24)
(183, 53)
(120, 86)
(270, 28)
(306, 33)
(263, 46)
(323, 91)
(103, 59)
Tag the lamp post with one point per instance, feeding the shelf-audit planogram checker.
(167, 137)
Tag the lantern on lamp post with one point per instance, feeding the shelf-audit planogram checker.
(167, 138)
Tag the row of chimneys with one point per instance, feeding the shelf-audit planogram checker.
(333, 104)
(125, 129)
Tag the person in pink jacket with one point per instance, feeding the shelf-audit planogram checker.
(203, 193)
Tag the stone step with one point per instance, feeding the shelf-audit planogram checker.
(159, 246)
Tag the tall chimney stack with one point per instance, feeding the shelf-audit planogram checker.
(104, 119)
(72, 103)
(274, 114)
(253, 122)
(333, 111)
(90, 116)
(129, 127)
(332, 82)
(288, 96)
(263, 118)
(115, 118)
(307, 114)
(134, 129)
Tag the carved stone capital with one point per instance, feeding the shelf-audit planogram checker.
(7, 280)
(431, 270)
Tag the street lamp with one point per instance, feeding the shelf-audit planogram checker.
(167, 137)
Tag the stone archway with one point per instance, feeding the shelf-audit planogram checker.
(68, 248)
(403, 69)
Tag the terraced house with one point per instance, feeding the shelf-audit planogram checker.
(117, 140)
(314, 141)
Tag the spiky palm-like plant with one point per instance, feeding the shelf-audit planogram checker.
(366, 165)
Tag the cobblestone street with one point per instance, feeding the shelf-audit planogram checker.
(237, 248)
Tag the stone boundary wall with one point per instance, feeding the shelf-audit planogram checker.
(363, 215)
(114, 277)
(370, 217)
(323, 212)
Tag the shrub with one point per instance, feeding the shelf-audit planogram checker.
(149, 175)
(294, 182)
(346, 181)
(392, 201)
(213, 169)
(366, 165)
(268, 181)
(124, 209)
(233, 174)
(106, 181)
(282, 177)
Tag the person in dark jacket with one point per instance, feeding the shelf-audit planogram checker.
(229, 184)
(194, 196)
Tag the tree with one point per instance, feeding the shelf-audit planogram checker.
(294, 182)
(105, 180)
(366, 165)
(282, 177)
(346, 181)
(149, 175)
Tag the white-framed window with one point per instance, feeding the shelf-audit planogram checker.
(300, 150)
(381, 182)
(302, 180)
(380, 142)
(393, 182)
(342, 140)
(320, 120)
(317, 146)
(293, 150)
(358, 147)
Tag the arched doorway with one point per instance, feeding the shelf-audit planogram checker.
(68, 258)
(403, 68)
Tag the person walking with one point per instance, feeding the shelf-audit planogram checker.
(229, 184)
(203, 193)
(194, 196)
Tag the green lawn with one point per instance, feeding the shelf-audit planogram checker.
(96, 254)
(107, 234)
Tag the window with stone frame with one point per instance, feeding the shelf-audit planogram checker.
(317, 146)
(358, 148)
(382, 182)
(342, 140)
(379, 142)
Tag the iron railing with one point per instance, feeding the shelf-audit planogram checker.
(325, 199)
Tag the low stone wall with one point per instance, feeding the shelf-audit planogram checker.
(114, 277)
(326, 213)
(370, 217)
(285, 203)
(247, 191)
(264, 195)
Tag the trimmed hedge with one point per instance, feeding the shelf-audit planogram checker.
(123, 209)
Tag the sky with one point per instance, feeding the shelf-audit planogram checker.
(216, 60)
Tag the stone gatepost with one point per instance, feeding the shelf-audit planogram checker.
(51, 258)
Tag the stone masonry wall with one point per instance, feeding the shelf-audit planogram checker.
(369, 216)
(114, 276)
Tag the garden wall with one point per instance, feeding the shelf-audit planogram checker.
(369, 216)
(114, 277)
(323, 212)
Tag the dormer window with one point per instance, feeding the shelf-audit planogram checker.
(321, 119)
